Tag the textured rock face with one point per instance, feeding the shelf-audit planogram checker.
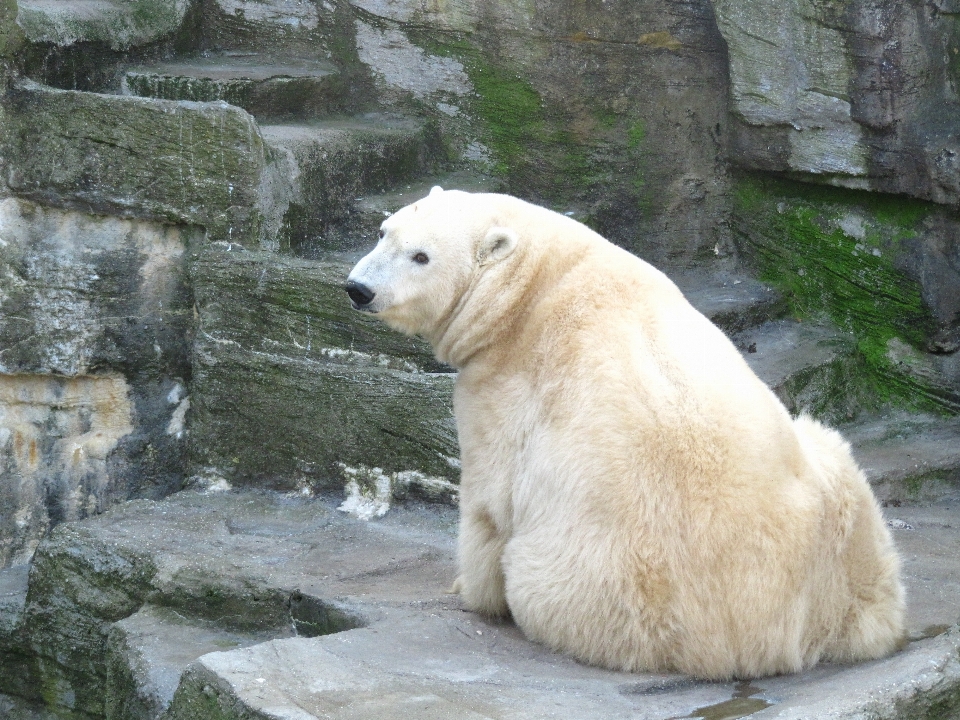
(198, 163)
(94, 326)
(80, 292)
(885, 269)
(290, 384)
(117, 24)
(861, 94)
(183, 188)
(616, 111)
(57, 435)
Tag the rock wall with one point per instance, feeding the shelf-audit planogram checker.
(94, 365)
(860, 95)
(615, 111)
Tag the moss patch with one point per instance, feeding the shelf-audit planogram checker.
(532, 143)
(832, 252)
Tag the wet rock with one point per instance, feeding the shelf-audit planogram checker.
(884, 269)
(112, 618)
(80, 589)
(261, 85)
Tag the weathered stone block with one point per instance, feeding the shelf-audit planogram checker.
(261, 85)
(860, 94)
(618, 116)
(884, 269)
(148, 651)
(117, 24)
(320, 169)
(809, 366)
(360, 228)
(81, 585)
(181, 162)
(56, 438)
(94, 358)
(81, 294)
(289, 382)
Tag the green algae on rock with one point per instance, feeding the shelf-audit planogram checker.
(841, 253)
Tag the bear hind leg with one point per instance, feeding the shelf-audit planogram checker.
(874, 624)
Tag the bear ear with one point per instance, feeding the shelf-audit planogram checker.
(497, 244)
(436, 190)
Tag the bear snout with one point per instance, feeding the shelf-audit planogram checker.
(360, 294)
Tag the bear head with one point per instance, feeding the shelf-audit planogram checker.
(429, 255)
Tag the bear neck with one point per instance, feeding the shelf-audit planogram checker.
(497, 313)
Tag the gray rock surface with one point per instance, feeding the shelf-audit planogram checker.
(563, 101)
(731, 299)
(809, 366)
(168, 580)
(94, 356)
(861, 94)
(116, 24)
(262, 85)
(178, 162)
(170, 273)
(293, 387)
(908, 458)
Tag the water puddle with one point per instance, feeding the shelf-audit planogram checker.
(930, 631)
(740, 705)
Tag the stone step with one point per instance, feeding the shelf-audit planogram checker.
(177, 162)
(810, 367)
(119, 25)
(360, 228)
(112, 618)
(731, 299)
(203, 163)
(320, 169)
(908, 458)
(305, 29)
(147, 653)
(264, 86)
(152, 583)
(294, 389)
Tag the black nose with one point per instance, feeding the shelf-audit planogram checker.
(360, 294)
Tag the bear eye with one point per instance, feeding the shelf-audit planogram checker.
(421, 258)
(382, 233)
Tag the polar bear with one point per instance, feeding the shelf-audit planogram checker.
(631, 493)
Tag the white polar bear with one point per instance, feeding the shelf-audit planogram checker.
(632, 494)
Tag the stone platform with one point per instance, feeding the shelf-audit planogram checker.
(264, 605)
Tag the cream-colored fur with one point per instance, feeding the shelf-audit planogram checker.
(632, 494)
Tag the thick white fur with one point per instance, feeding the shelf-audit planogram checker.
(631, 492)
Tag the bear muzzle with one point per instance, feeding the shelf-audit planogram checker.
(360, 295)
